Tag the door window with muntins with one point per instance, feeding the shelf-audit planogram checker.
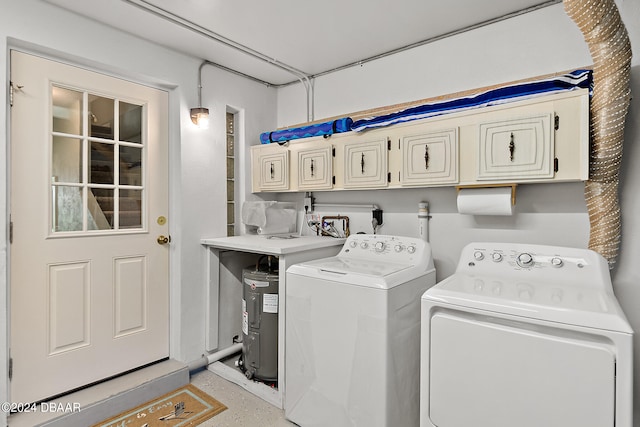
(97, 163)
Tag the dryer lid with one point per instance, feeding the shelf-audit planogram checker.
(572, 305)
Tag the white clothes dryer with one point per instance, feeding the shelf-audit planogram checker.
(527, 336)
(352, 347)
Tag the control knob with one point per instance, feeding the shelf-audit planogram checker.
(525, 260)
(411, 249)
(364, 245)
(379, 246)
(398, 248)
(478, 255)
(557, 262)
(353, 244)
(496, 257)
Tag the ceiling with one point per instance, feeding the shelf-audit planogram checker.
(280, 41)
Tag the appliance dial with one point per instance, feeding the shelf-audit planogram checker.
(398, 248)
(364, 245)
(525, 260)
(478, 255)
(411, 249)
(379, 246)
(496, 257)
(353, 244)
(557, 262)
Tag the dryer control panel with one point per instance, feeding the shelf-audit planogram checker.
(535, 263)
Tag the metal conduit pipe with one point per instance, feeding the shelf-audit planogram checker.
(608, 41)
(177, 20)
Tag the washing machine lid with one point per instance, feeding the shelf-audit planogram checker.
(571, 305)
(360, 272)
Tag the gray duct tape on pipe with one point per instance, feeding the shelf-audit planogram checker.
(608, 41)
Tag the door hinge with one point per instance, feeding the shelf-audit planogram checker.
(556, 124)
(389, 177)
(12, 89)
(10, 368)
(10, 232)
(555, 164)
(333, 180)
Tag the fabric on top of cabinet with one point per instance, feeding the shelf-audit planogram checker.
(317, 129)
(574, 80)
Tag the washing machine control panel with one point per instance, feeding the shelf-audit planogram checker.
(532, 262)
(404, 250)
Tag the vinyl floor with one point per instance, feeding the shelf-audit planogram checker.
(243, 408)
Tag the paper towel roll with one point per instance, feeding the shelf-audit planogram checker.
(485, 201)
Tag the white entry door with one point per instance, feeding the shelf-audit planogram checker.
(89, 264)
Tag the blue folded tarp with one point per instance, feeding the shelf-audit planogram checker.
(318, 129)
(574, 80)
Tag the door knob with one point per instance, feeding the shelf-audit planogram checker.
(163, 240)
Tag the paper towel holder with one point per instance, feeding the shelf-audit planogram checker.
(513, 189)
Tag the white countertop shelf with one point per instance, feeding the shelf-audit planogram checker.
(271, 245)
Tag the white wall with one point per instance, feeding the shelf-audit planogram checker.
(541, 42)
(197, 156)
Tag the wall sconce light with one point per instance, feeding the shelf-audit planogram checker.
(200, 116)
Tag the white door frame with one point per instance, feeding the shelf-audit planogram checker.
(173, 191)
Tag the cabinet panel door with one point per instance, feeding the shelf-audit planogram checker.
(315, 168)
(516, 148)
(365, 164)
(430, 158)
(274, 171)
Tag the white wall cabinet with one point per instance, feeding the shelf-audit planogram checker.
(270, 168)
(521, 148)
(543, 139)
(312, 162)
(429, 158)
(365, 163)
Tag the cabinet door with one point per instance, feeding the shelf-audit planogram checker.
(315, 168)
(521, 148)
(430, 158)
(365, 163)
(273, 169)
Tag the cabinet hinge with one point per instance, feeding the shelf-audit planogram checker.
(389, 144)
(333, 180)
(333, 151)
(389, 177)
(556, 124)
(10, 368)
(555, 164)
(10, 231)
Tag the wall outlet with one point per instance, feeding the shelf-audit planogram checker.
(377, 215)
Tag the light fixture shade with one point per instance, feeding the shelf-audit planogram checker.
(200, 117)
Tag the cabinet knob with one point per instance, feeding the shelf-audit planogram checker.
(426, 156)
(512, 147)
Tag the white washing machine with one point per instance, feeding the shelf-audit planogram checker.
(527, 336)
(352, 347)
